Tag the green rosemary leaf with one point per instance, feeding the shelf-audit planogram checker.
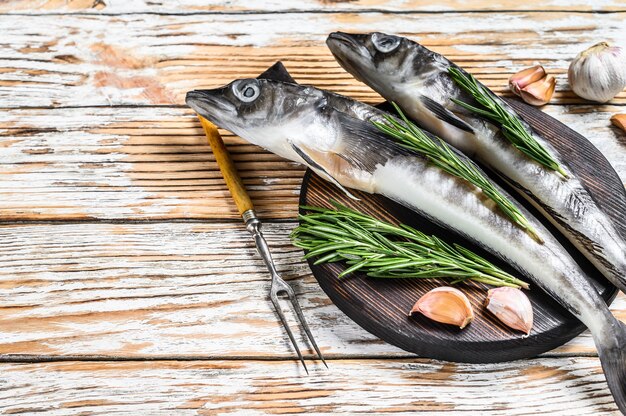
(384, 250)
(512, 128)
(354, 268)
(329, 258)
(441, 155)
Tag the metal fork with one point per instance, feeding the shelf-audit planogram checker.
(279, 286)
(253, 225)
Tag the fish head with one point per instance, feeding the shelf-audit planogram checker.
(270, 114)
(243, 104)
(368, 56)
(394, 66)
(410, 75)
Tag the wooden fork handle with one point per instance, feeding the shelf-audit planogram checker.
(227, 167)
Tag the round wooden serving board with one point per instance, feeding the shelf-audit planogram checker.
(381, 305)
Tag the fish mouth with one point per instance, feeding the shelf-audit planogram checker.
(349, 52)
(341, 43)
(210, 104)
(343, 38)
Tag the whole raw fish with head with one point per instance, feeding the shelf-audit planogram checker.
(417, 79)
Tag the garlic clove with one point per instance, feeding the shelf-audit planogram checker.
(446, 305)
(512, 307)
(598, 73)
(526, 77)
(539, 92)
(619, 120)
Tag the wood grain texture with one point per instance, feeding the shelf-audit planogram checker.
(217, 6)
(173, 289)
(129, 163)
(185, 289)
(154, 163)
(564, 386)
(151, 59)
(167, 289)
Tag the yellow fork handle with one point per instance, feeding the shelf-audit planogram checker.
(227, 167)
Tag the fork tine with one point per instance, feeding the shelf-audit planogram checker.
(305, 325)
(274, 299)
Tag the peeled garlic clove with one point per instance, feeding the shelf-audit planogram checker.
(526, 77)
(512, 307)
(539, 92)
(619, 120)
(446, 305)
(598, 73)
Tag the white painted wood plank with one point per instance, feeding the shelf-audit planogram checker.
(129, 163)
(197, 6)
(149, 59)
(198, 290)
(156, 289)
(564, 386)
(165, 289)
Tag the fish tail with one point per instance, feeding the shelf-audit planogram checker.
(612, 352)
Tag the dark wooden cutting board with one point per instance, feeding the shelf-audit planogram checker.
(381, 305)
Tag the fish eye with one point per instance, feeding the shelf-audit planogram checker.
(385, 43)
(247, 91)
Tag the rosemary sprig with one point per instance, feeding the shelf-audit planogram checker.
(442, 156)
(510, 124)
(383, 250)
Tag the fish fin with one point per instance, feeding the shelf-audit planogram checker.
(277, 72)
(444, 114)
(612, 355)
(363, 145)
(315, 160)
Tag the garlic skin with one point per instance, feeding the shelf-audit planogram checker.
(526, 77)
(446, 305)
(598, 73)
(619, 120)
(540, 92)
(512, 307)
(533, 85)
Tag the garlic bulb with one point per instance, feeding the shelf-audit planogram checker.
(598, 73)
(446, 305)
(512, 307)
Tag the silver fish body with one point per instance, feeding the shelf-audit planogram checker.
(417, 79)
(335, 137)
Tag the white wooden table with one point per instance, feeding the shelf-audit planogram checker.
(128, 284)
